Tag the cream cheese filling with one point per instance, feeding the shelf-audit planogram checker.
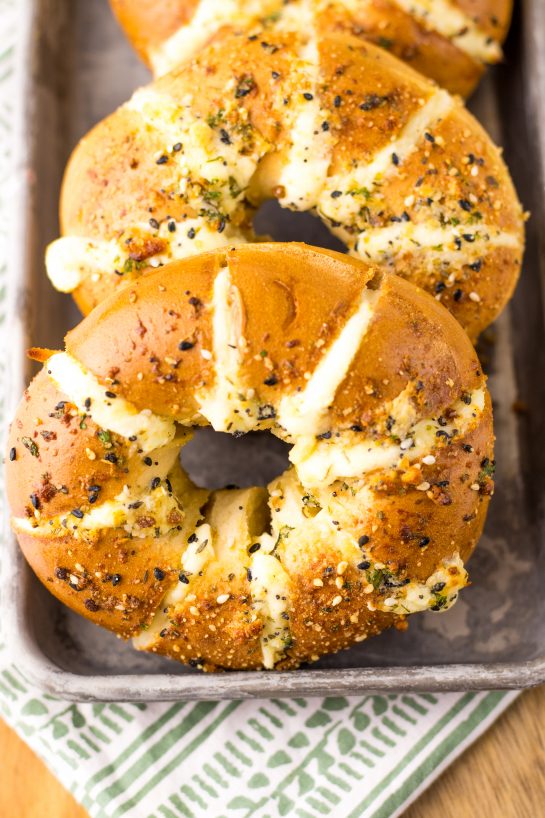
(114, 414)
(446, 244)
(320, 462)
(228, 406)
(365, 176)
(451, 22)
(305, 413)
(309, 156)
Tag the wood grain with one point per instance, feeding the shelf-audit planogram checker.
(501, 776)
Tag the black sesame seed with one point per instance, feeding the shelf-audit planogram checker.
(324, 436)
(253, 548)
(271, 381)
(111, 457)
(457, 294)
(163, 633)
(148, 461)
(438, 587)
(336, 193)
(154, 223)
(337, 101)
(356, 428)
(192, 537)
(469, 237)
(62, 573)
(423, 542)
(87, 403)
(183, 578)
(275, 75)
(191, 233)
(467, 448)
(248, 575)
(110, 395)
(308, 96)
(116, 579)
(476, 266)
(325, 126)
(466, 398)
(77, 512)
(158, 574)
(177, 147)
(155, 483)
(440, 286)
(162, 160)
(429, 137)
(364, 565)
(171, 226)
(185, 345)
(13, 454)
(395, 159)
(91, 605)
(224, 137)
(363, 540)
(465, 205)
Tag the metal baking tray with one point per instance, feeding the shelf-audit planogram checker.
(75, 67)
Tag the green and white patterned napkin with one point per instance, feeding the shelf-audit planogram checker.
(349, 757)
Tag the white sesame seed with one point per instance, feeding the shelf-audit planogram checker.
(475, 297)
(361, 638)
(206, 354)
(337, 600)
(90, 454)
(222, 598)
(341, 567)
(475, 487)
(317, 583)
(194, 611)
(407, 443)
(339, 582)
(423, 486)
(429, 460)
(390, 602)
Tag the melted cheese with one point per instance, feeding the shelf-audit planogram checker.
(114, 414)
(227, 406)
(365, 176)
(451, 22)
(448, 581)
(305, 413)
(309, 156)
(445, 244)
(270, 600)
(320, 462)
(209, 17)
(72, 259)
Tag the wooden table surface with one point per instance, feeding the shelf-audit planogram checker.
(501, 776)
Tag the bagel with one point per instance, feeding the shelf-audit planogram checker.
(449, 41)
(375, 386)
(395, 167)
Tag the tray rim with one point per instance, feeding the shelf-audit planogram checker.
(143, 687)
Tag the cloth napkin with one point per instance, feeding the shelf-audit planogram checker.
(352, 757)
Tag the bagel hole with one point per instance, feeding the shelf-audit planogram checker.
(282, 224)
(216, 460)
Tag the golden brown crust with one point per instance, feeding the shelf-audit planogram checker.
(442, 214)
(409, 37)
(292, 302)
